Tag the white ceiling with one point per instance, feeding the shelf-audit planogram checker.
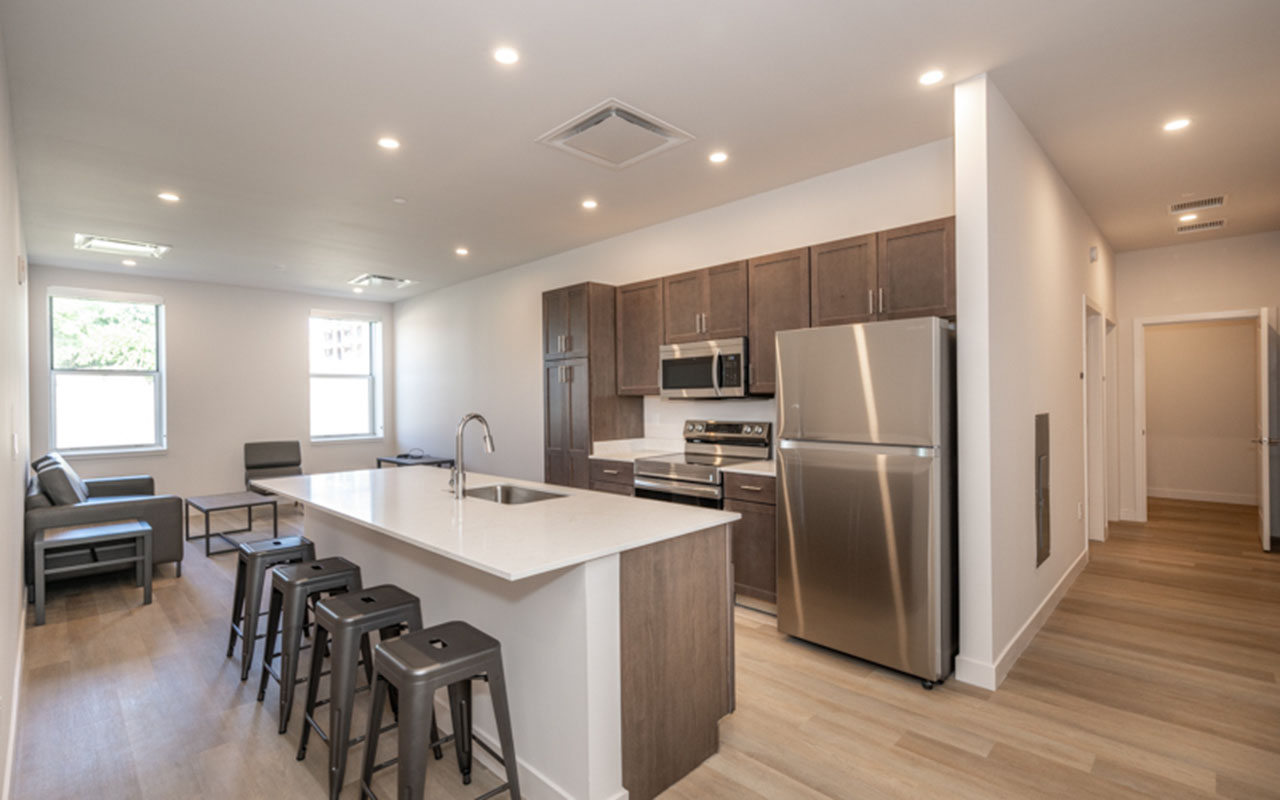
(263, 116)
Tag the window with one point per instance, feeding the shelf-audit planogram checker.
(346, 364)
(107, 372)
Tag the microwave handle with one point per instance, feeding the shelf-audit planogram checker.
(715, 372)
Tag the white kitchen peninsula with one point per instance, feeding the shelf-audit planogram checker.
(614, 614)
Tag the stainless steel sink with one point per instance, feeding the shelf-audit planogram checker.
(510, 495)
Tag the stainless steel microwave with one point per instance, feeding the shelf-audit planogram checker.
(716, 368)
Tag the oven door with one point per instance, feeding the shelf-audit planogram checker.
(690, 494)
(702, 369)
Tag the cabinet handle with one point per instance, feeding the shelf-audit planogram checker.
(609, 471)
(881, 299)
(871, 302)
(568, 343)
(560, 373)
(744, 487)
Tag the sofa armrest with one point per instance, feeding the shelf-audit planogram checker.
(116, 487)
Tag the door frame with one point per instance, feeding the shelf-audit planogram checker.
(1092, 314)
(1140, 388)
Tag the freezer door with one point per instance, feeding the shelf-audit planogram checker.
(877, 383)
(859, 553)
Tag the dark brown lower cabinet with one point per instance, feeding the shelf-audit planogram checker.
(755, 554)
(568, 422)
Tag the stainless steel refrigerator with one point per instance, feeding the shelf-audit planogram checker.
(866, 519)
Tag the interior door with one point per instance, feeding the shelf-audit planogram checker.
(1264, 442)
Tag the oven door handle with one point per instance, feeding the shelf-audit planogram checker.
(711, 492)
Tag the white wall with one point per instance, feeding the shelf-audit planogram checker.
(1022, 270)
(476, 346)
(1229, 274)
(1202, 408)
(236, 371)
(14, 449)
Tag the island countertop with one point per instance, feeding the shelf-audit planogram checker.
(510, 541)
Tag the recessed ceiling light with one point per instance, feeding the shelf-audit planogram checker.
(129, 262)
(399, 201)
(388, 143)
(506, 55)
(1186, 217)
(119, 247)
(931, 77)
(357, 289)
(1176, 124)
(589, 204)
(718, 157)
(169, 197)
(462, 251)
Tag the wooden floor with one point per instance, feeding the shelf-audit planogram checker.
(1156, 677)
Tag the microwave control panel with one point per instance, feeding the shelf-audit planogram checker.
(731, 370)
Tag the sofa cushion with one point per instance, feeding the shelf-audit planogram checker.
(61, 483)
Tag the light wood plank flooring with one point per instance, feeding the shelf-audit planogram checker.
(1156, 677)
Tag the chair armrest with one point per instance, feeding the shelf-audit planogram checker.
(116, 487)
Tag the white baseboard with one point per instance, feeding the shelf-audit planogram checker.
(533, 784)
(989, 676)
(1234, 498)
(7, 787)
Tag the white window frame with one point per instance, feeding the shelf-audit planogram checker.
(158, 375)
(374, 377)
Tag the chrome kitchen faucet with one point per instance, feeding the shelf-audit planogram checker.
(459, 479)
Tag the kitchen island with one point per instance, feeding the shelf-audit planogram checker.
(615, 614)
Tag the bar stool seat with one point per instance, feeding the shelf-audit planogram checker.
(416, 665)
(347, 620)
(292, 587)
(255, 558)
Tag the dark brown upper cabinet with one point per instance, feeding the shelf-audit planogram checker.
(916, 270)
(706, 304)
(564, 322)
(844, 286)
(778, 294)
(639, 337)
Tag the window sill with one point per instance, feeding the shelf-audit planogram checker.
(72, 455)
(346, 439)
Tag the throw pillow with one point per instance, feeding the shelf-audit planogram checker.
(62, 484)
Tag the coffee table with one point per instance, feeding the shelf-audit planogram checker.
(230, 501)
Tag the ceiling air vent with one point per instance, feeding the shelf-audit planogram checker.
(380, 281)
(1196, 205)
(1196, 227)
(614, 135)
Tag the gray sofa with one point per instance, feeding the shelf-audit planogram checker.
(108, 499)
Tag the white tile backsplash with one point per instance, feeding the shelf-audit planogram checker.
(664, 419)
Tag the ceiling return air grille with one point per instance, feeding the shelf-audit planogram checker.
(1196, 227)
(1197, 205)
(615, 135)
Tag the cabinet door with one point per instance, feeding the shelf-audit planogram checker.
(578, 391)
(917, 270)
(726, 315)
(755, 550)
(639, 326)
(684, 301)
(778, 295)
(844, 281)
(564, 322)
(556, 423)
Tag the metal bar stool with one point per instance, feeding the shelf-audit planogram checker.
(416, 665)
(251, 571)
(348, 619)
(292, 587)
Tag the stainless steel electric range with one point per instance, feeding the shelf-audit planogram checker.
(694, 477)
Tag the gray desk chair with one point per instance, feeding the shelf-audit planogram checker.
(271, 460)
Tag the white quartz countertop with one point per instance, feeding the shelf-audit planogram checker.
(510, 541)
(632, 449)
(769, 468)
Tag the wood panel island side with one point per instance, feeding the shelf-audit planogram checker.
(615, 614)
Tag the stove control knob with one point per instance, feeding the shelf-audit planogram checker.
(700, 428)
(689, 426)
(759, 429)
(746, 429)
